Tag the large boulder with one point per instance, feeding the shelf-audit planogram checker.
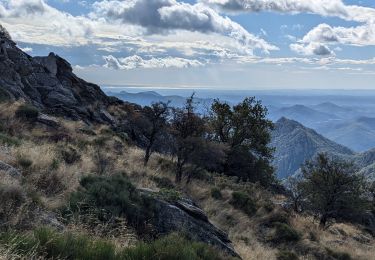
(185, 216)
(50, 84)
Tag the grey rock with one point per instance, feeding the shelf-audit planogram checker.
(184, 216)
(50, 84)
(48, 120)
(13, 172)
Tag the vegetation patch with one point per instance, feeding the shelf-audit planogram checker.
(114, 196)
(285, 233)
(163, 182)
(7, 140)
(49, 244)
(286, 255)
(338, 255)
(242, 201)
(28, 113)
(216, 193)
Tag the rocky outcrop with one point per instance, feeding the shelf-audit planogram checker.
(10, 170)
(186, 217)
(50, 85)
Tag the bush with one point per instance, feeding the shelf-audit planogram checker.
(216, 193)
(7, 140)
(285, 233)
(242, 201)
(338, 255)
(27, 112)
(50, 183)
(286, 255)
(11, 200)
(163, 182)
(170, 195)
(174, 246)
(114, 195)
(49, 244)
(276, 217)
(70, 155)
(24, 162)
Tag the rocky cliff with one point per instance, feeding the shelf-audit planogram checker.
(49, 84)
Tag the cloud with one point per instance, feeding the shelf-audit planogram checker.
(27, 49)
(332, 8)
(312, 48)
(135, 61)
(319, 38)
(164, 16)
(362, 35)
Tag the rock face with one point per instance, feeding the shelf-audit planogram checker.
(186, 217)
(49, 84)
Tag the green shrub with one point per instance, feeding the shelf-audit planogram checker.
(27, 112)
(216, 193)
(170, 195)
(174, 246)
(7, 140)
(11, 200)
(286, 255)
(50, 183)
(276, 217)
(115, 195)
(242, 201)
(285, 233)
(49, 244)
(163, 182)
(24, 162)
(52, 245)
(70, 155)
(338, 255)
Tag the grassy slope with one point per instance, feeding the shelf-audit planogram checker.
(50, 179)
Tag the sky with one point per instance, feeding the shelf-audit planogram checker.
(221, 44)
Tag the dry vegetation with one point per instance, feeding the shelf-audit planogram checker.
(53, 162)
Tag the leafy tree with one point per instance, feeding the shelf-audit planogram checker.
(188, 130)
(246, 131)
(148, 125)
(332, 189)
(293, 186)
(190, 143)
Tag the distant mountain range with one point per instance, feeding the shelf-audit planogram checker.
(146, 98)
(349, 125)
(295, 143)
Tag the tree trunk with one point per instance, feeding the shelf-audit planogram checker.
(323, 220)
(180, 166)
(147, 155)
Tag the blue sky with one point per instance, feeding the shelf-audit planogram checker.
(227, 44)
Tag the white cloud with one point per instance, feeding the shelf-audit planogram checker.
(135, 61)
(27, 49)
(313, 48)
(164, 16)
(336, 8)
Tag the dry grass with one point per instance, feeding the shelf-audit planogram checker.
(114, 155)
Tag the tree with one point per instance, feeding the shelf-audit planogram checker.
(149, 123)
(246, 131)
(332, 188)
(293, 186)
(188, 129)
